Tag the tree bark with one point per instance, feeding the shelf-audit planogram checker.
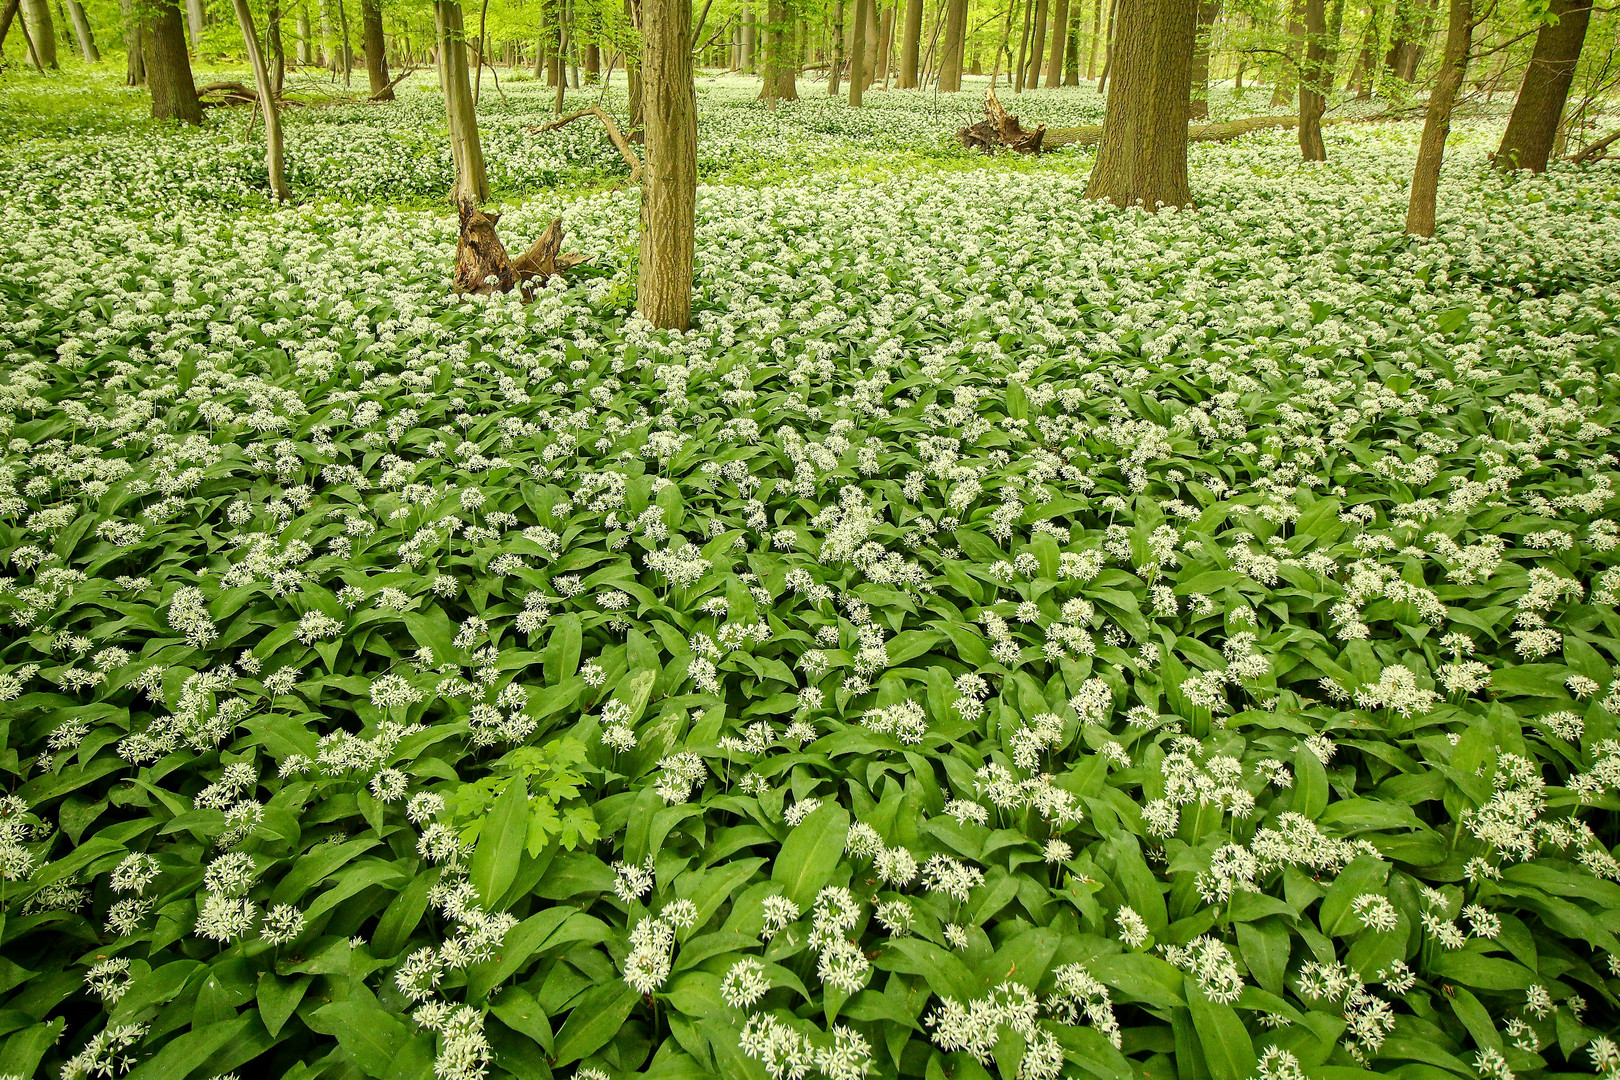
(780, 70)
(1142, 159)
(1532, 129)
(877, 30)
(1282, 91)
(1096, 38)
(835, 69)
(1060, 40)
(1108, 47)
(306, 54)
(911, 44)
(36, 15)
(134, 63)
(1071, 51)
(669, 178)
(1023, 46)
(196, 22)
(1312, 92)
(1420, 211)
(371, 29)
(1209, 11)
(81, 31)
(1362, 79)
(950, 63)
(857, 54)
(1037, 46)
(749, 38)
(168, 68)
(471, 180)
(267, 102)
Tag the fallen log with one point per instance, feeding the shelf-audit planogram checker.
(480, 257)
(1598, 151)
(1091, 134)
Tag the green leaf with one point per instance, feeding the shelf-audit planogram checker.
(186, 1053)
(1228, 1050)
(1310, 784)
(594, 1020)
(811, 853)
(367, 1033)
(562, 649)
(500, 843)
(1365, 874)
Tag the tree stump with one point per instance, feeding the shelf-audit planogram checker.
(998, 129)
(483, 266)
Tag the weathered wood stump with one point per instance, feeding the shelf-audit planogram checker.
(481, 257)
(999, 129)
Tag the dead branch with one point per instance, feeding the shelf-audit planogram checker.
(614, 135)
(1597, 151)
(401, 77)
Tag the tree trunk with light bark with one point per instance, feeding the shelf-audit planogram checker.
(1060, 41)
(1037, 46)
(669, 177)
(471, 180)
(81, 32)
(1533, 128)
(1142, 158)
(267, 102)
(36, 15)
(911, 44)
(134, 61)
(950, 63)
(1420, 211)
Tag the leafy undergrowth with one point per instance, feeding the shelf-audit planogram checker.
(1005, 637)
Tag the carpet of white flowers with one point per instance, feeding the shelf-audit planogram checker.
(1006, 637)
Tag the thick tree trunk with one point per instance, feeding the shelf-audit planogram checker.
(134, 63)
(950, 63)
(1142, 158)
(41, 28)
(911, 44)
(1037, 46)
(1060, 40)
(168, 68)
(1313, 73)
(1208, 12)
(669, 180)
(81, 31)
(857, 54)
(1532, 129)
(1420, 211)
(467, 150)
(749, 37)
(267, 102)
(371, 29)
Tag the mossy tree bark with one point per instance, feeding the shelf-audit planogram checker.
(1532, 129)
(1142, 158)
(857, 54)
(41, 30)
(134, 61)
(1420, 210)
(468, 152)
(1314, 72)
(168, 66)
(1060, 40)
(81, 32)
(669, 177)
(376, 50)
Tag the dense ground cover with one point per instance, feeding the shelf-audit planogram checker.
(1006, 636)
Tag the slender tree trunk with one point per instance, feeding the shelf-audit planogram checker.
(197, 19)
(1364, 74)
(911, 44)
(669, 181)
(950, 64)
(632, 71)
(36, 15)
(267, 101)
(134, 63)
(835, 68)
(376, 50)
(1312, 96)
(467, 150)
(1288, 74)
(1532, 129)
(874, 41)
(1071, 51)
(1420, 211)
(780, 69)
(306, 54)
(1209, 11)
(168, 68)
(1060, 40)
(1023, 46)
(885, 49)
(278, 51)
(857, 54)
(81, 31)
(749, 37)
(1108, 48)
(1142, 155)
(1096, 38)
(564, 30)
(593, 50)
(1037, 47)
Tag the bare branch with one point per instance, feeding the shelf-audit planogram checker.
(614, 135)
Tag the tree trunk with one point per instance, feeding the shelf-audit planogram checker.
(1208, 12)
(134, 63)
(885, 49)
(911, 44)
(1023, 47)
(1364, 78)
(1282, 91)
(468, 152)
(197, 20)
(1420, 211)
(857, 54)
(1096, 38)
(267, 101)
(1037, 46)
(1533, 127)
(565, 29)
(81, 31)
(1312, 92)
(168, 68)
(779, 69)
(1071, 51)
(371, 29)
(1060, 40)
(1108, 48)
(278, 51)
(749, 37)
(36, 15)
(306, 54)
(1142, 158)
(950, 63)
(875, 31)
(835, 68)
(669, 179)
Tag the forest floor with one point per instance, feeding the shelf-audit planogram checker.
(1005, 634)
